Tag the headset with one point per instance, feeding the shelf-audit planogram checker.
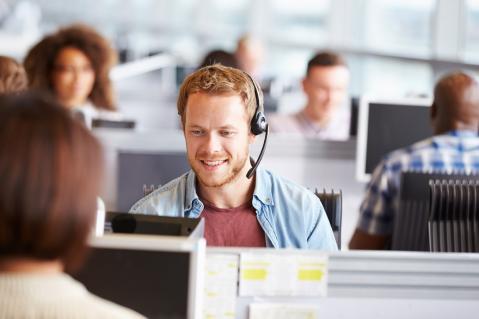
(259, 125)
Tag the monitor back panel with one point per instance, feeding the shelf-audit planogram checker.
(153, 283)
(128, 223)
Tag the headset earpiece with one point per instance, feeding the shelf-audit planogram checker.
(258, 123)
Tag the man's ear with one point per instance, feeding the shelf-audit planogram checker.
(304, 84)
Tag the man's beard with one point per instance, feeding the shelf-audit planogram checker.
(231, 176)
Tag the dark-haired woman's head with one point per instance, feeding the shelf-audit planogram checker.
(50, 169)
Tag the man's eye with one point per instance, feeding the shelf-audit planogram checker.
(196, 132)
(227, 133)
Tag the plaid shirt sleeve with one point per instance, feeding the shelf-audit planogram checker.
(378, 207)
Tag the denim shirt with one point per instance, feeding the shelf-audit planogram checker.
(290, 215)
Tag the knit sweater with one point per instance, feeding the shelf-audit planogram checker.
(51, 296)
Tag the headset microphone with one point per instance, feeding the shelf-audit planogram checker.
(260, 157)
(258, 126)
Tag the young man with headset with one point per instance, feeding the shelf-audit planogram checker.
(243, 205)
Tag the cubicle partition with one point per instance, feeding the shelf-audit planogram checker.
(139, 173)
(129, 155)
(286, 283)
(266, 283)
(176, 277)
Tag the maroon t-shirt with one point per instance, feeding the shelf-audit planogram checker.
(232, 226)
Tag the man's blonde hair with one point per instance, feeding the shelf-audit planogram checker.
(218, 80)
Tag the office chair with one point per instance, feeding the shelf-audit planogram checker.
(332, 203)
(410, 230)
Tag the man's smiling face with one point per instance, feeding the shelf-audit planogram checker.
(217, 135)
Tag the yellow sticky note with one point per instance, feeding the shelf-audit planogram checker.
(310, 274)
(255, 274)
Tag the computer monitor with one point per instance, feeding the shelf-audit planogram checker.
(387, 125)
(116, 124)
(140, 170)
(157, 276)
(129, 223)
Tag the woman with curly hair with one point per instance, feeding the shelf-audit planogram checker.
(74, 65)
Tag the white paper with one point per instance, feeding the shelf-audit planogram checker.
(282, 311)
(283, 275)
(221, 286)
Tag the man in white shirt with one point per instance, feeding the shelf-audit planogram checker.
(326, 114)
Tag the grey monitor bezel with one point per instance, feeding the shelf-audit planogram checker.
(362, 138)
(195, 246)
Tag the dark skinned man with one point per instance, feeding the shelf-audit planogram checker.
(454, 147)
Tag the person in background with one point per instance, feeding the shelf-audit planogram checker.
(217, 106)
(219, 57)
(48, 201)
(454, 147)
(13, 78)
(249, 53)
(74, 64)
(327, 111)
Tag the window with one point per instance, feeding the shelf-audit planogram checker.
(394, 78)
(299, 22)
(471, 43)
(224, 20)
(399, 27)
(287, 61)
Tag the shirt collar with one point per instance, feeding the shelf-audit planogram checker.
(462, 133)
(262, 190)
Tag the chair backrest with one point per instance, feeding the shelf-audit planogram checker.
(453, 221)
(332, 203)
(410, 231)
(353, 124)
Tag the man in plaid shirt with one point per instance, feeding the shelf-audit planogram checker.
(454, 147)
